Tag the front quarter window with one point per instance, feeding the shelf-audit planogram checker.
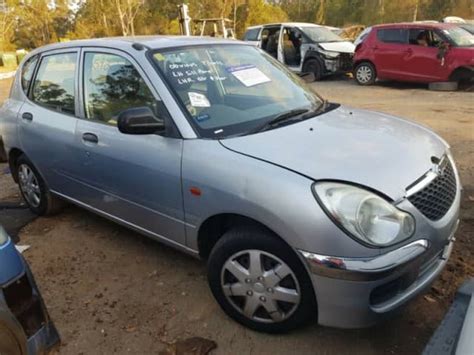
(229, 90)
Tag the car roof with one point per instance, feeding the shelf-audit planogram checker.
(294, 24)
(152, 42)
(437, 25)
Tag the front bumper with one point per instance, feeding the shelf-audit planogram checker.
(358, 292)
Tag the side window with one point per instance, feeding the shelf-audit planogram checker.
(54, 83)
(425, 38)
(111, 85)
(252, 34)
(27, 73)
(393, 35)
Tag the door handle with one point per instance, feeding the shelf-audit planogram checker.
(409, 51)
(90, 137)
(27, 116)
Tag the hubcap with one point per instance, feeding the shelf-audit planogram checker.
(260, 286)
(364, 74)
(29, 185)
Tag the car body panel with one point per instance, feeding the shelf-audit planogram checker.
(365, 139)
(14, 270)
(408, 62)
(11, 264)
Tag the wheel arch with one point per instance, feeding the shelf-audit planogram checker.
(360, 61)
(214, 227)
(312, 54)
(13, 156)
(462, 73)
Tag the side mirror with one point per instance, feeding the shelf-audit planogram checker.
(442, 50)
(139, 120)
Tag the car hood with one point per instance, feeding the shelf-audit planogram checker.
(372, 149)
(342, 47)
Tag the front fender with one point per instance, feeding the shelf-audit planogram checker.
(274, 196)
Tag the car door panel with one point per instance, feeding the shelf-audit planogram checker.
(46, 134)
(134, 178)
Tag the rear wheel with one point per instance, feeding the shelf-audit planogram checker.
(260, 282)
(34, 190)
(365, 74)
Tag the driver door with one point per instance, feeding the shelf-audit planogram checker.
(421, 62)
(136, 179)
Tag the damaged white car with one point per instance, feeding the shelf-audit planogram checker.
(304, 47)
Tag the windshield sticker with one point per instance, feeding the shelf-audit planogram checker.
(198, 100)
(159, 56)
(202, 117)
(248, 74)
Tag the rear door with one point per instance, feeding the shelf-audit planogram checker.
(133, 178)
(389, 51)
(48, 117)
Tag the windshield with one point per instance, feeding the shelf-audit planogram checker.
(231, 90)
(459, 36)
(320, 34)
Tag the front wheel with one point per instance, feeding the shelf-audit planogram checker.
(260, 282)
(365, 74)
(315, 67)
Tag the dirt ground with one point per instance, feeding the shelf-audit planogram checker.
(110, 290)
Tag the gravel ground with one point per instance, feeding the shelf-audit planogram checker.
(110, 290)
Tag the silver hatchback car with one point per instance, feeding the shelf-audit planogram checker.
(303, 209)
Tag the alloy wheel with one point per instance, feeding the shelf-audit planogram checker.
(260, 286)
(364, 74)
(29, 185)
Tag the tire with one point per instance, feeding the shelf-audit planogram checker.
(3, 154)
(365, 74)
(313, 66)
(443, 86)
(257, 290)
(34, 190)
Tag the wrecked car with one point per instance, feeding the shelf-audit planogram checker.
(304, 47)
(304, 209)
(25, 326)
(416, 52)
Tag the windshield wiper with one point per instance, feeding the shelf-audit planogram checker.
(321, 108)
(279, 119)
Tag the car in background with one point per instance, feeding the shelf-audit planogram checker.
(25, 326)
(416, 52)
(304, 47)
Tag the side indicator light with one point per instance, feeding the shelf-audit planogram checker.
(196, 191)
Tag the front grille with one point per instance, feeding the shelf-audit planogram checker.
(345, 61)
(435, 199)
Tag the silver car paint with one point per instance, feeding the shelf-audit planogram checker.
(266, 176)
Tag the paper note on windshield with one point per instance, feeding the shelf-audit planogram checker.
(249, 75)
(198, 100)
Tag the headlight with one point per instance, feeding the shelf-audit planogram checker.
(329, 55)
(365, 215)
(3, 236)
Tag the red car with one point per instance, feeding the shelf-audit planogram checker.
(417, 52)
